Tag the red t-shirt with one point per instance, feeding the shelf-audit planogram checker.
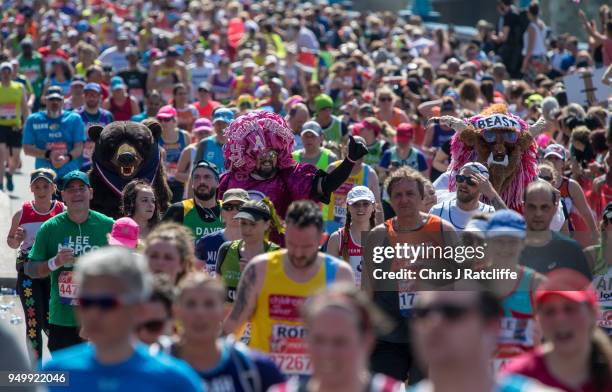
(206, 111)
(533, 365)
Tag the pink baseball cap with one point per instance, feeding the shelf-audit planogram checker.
(124, 233)
(167, 111)
(202, 125)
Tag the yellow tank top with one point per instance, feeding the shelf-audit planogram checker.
(276, 326)
(10, 104)
(336, 209)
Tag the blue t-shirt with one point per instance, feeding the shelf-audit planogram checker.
(234, 368)
(415, 159)
(54, 133)
(213, 152)
(141, 372)
(139, 117)
(207, 247)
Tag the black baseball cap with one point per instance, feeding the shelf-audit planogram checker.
(208, 165)
(38, 173)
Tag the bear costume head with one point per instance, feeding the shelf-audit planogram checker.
(501, 141)
(124, 151)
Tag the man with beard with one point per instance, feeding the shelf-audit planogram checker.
(92, 114)
(273, 286)
(546, 250)
(472, 182)
(258, 158)
(202, 213)
(54, 137)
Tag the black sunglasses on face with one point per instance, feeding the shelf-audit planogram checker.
(102, 303)
(546, 178)
(461, 179)
(449, 312)
(152, 326)
(231, 207)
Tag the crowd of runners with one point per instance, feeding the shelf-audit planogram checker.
(290, 134)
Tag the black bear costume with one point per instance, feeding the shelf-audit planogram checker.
(125, 151)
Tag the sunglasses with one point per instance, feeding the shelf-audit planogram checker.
(269, 155)
(152, 326)
(166, 119)
(385, 99)
(546, 178)
(103, 303)
(490, 136)
(449, 312)
(461, 179)
(231, 207)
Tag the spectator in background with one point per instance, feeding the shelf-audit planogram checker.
(508, 37)
(534, 44)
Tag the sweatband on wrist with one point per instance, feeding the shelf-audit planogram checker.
(51, 264)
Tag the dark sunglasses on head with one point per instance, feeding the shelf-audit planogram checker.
(490, 136)
(449, 312)
(103, 303)
(152, 326)
(231, 207)
(461, 179)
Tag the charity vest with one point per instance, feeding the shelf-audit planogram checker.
(277, 328)
(333, 133)
(192, 220)
(602, 283)
(354, 252)
(83, 238)
(430, 234)
(10, 104)
(412, 160)
(336, 209)
(31, 220)
(517, 324)
(230, 266)
(322, 163)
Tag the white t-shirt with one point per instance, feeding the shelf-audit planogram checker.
(449, 211)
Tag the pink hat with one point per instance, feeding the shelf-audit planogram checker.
(202, 125)
(568, 284)
(166, 112)
(124, 233)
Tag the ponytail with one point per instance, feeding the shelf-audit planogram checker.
(276, 221)
(600, 361)
(345, 237)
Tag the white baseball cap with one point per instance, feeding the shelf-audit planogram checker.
(360, 192)
(476, 167)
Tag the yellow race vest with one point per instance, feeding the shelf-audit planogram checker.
(276, 326)
(10, 104)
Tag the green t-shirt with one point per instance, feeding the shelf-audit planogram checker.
(61, 231)
(32, 70)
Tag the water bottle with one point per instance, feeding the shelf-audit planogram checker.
(16, 320)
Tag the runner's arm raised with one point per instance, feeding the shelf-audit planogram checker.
(246, 297)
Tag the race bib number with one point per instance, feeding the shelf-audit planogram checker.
(68, 290)
(406, 302)
(171, 168)
(8, 111)
(288, 349)
(340, 201)
(58, 146)
(88, 149)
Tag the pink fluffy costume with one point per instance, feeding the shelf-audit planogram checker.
(256, 132)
